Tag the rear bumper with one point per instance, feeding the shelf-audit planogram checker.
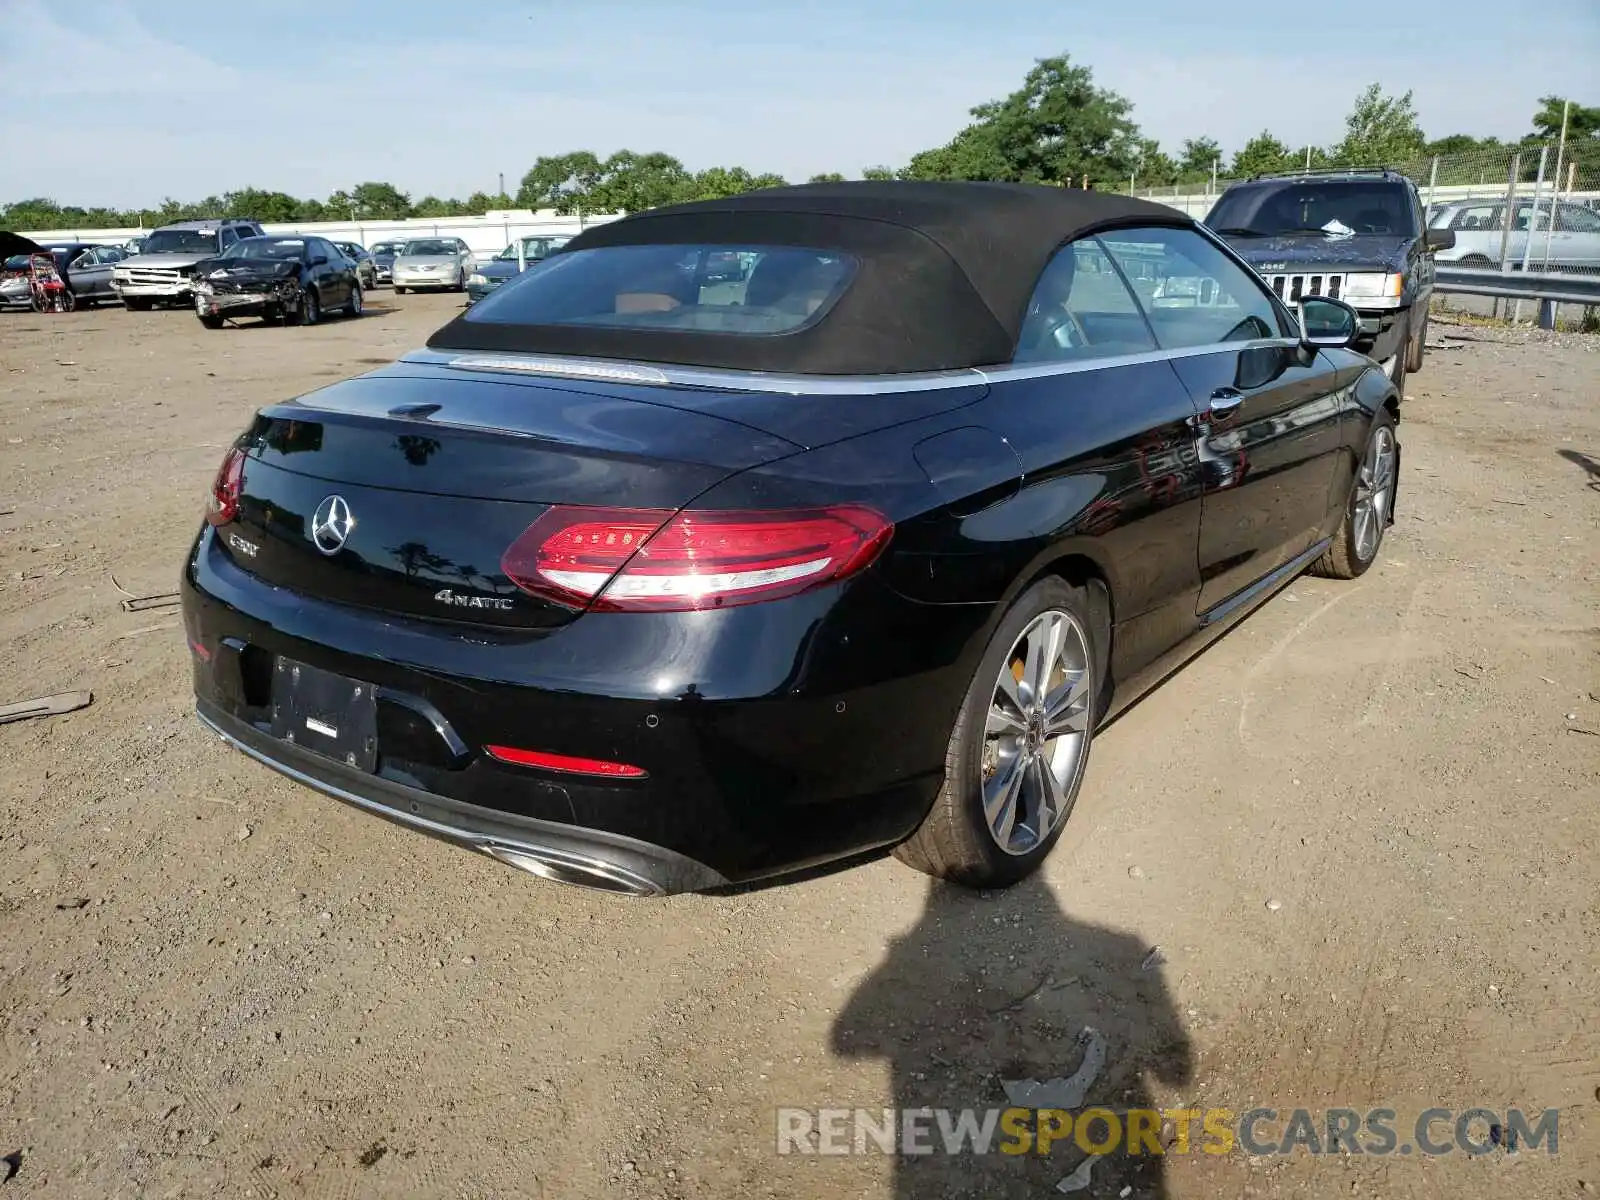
(775, 737)
(564, 853)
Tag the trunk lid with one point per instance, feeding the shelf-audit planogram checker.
(430, 480)
(807, 418)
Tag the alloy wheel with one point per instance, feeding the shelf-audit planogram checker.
(1037, 732)
(1374, 487)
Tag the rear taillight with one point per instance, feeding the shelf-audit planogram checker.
(632, 559)
(229, 486)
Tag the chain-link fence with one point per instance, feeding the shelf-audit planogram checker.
(1530, 207)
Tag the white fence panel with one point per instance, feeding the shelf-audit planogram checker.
(487, 235)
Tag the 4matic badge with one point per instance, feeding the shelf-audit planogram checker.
(462, 600)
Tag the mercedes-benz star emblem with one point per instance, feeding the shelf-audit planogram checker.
(331, 525)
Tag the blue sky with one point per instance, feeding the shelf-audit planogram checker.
(124, 102)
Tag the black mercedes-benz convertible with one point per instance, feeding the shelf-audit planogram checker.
(749, 535)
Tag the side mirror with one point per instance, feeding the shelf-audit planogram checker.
(318, 259)
(1327, 322)
(1441, 239)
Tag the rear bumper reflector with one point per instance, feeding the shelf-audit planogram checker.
(564, 762)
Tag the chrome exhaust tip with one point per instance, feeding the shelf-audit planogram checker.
(559, 866)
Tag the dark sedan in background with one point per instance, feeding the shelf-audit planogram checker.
(294, 279)
(650, 579)
(383, 255)
(505, 265)
(366, 269)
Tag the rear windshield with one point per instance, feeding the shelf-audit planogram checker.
(701, 289)
(1339, 208)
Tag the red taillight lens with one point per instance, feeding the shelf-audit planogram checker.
(633, 559)
(225, 492)
(566, 763)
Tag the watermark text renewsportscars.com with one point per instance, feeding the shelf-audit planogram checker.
(1432, 1132)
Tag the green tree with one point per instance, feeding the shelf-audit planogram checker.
(1380, 130)
(1262, 155)
(1583, 121)
(560, 181)
(827, 177)
(432, 206)
(1197, 157)
(1155, 167)
(1057, 127)
(381, 200)
(259, 205)
(878, 174)
(631, 183)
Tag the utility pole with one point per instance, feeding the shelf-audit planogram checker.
(502, 190)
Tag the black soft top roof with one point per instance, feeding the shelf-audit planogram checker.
(946, 272)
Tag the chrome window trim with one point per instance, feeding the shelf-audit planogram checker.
(558, 367)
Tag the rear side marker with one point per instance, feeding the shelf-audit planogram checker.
(565, 763)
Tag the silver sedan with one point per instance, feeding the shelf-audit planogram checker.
(432, 263)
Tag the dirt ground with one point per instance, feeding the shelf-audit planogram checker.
(1361, 832)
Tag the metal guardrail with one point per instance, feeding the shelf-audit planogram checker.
(1518, 285)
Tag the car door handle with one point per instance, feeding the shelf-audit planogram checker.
(1225, 401)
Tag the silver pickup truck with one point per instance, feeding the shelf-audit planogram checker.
(161, 270)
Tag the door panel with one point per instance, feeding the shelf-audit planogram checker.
(1107, 456)
(1268, 438)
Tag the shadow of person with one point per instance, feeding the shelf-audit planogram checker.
(1583, 460)
(992, 990)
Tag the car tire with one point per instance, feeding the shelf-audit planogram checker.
(210, 320)
(310, 307)
(398, 290)
(353, 306)
(1356, 544)
(960, 838)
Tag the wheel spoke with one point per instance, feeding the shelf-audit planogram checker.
(1003, 722)
(1044, 644)
(1000, 797)
(1051, 798)
(1067, 710)
(1006, 690)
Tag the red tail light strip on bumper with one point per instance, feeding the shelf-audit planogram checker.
(565, 763)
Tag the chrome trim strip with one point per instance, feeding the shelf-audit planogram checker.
(654, 374)
(1265, 585)
(1045, 369)
(625, 880)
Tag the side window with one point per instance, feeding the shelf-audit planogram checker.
(1574, 218)
(1081, 308)
(227, 238)
(1192, 293)
(1475, 216)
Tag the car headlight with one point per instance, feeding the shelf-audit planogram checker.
(477, 278)
(1374, 284)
